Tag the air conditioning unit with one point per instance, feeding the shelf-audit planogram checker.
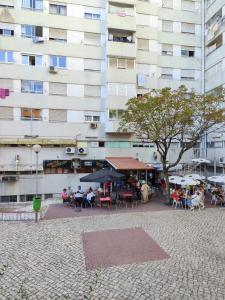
(70, 150)
(81, 151)
(38, 39)
(52, 70)
(93, 125)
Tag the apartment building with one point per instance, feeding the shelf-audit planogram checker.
(67, 69)
(215, 72)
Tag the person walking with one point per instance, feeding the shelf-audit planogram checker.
(145, 190)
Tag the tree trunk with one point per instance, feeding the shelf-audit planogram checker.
(166, 176)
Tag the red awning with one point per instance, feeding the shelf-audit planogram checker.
(127, 163)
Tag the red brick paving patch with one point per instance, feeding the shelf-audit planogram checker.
(120, 246)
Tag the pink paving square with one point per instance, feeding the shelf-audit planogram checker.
(119, 247)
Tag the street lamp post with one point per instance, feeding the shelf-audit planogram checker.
(37, 200)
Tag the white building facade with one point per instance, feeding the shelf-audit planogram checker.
(68, 68)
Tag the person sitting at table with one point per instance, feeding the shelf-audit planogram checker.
(65, 196)
(219, 193)
(194, 201)
(70, 193)
(78, 197)
(90, 195)
(202, 196)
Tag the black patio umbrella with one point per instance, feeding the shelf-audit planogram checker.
(102, 175)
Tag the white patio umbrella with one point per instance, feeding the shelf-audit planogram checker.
(175, 179)
(189, 181)
(183, 181)
(195, 176)
(217, 179)
(201, 160)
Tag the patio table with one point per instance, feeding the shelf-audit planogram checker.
(126, 196)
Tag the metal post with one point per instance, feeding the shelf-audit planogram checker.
(36, 186)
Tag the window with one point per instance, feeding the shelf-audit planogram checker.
(167, 49)
(57, 115)
(31, 31)
(6, 84)
(31, 60)
(6, 113)
(121, 63)
(121, 89)
(56, 88)
(143, 44)
(6, 56)
(92, 64)
(91, 118)
(92, 90)
(187, 75)
(92, 39)
(167, 26)
(92, 16)
(7, 3)
(187, 51)
(118, 144)
(56, 34)
(217, 43)
(115, 114)
(31, 86)
(167, 73)
(30, 114)
(188, 5)
(188, 28)
(6, 31)
(32, 4)
(167, 3)
(58, 61)
(121, 36)
(58, 9)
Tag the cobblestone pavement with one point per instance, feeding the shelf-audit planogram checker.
(46, 260)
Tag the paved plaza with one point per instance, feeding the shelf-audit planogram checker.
(48, 260)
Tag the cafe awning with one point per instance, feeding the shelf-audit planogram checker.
(127, 163)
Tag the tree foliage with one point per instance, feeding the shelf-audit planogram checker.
(165, 116)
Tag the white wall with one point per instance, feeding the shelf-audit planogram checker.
(177, 27)
(75, 37)
(74, 63)
(75, 10)
(75, 116)
(75, 90)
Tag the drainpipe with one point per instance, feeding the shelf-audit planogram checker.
(203, 66)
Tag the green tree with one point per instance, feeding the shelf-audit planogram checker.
(165, 116)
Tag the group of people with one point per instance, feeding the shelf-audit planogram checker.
(77, 198)
(189, 198)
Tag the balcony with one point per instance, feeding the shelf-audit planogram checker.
(214, 30)
(121, 43)
(122, 21)
(112, 127)
(121, 49)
